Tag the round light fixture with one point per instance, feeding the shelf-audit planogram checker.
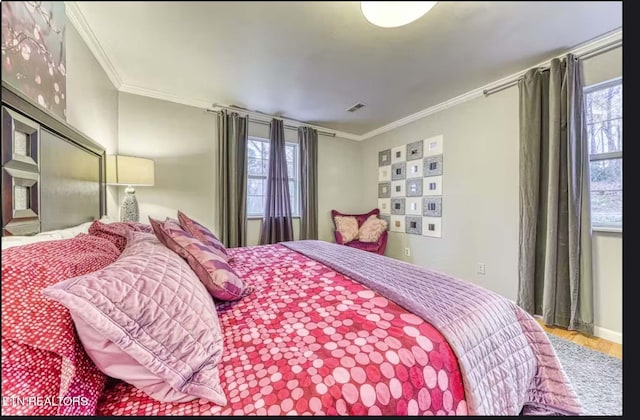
(390, 14)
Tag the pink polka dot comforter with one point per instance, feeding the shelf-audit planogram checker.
(312, 341)
(309, 340)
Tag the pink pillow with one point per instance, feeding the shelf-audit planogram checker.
(151, 305)
(116, 232)
(214, 272)
(202, 233)
(371, 229)
(347, 226)
(117, 363)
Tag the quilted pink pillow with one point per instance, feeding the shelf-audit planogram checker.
(202, 233)
(151, 305)
(371, 229)
(214, 272)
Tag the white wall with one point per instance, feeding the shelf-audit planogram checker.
(607, 277)
(480, 197)
(182, 141)
(92, 101)
(340, 181)
(179, 139)
(480, 191)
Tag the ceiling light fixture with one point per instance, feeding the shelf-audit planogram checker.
(390, 14)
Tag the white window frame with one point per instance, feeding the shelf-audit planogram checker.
(295, 204)
(604, 156)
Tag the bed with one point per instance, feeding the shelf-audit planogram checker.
(327, 330)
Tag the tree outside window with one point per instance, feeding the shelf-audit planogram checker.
(258, 167)
(604, 132)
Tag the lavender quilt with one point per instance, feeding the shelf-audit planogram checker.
(508, 365)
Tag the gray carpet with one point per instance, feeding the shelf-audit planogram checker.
(596, 377)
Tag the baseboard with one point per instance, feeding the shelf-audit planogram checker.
(607, 334)
(601, 332)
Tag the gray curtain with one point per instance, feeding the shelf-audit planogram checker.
(232, 173)
(308, 140)
(277, 224)
(555, 272)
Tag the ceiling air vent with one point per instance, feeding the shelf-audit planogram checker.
(355, 107)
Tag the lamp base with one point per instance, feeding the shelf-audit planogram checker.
(129, 209)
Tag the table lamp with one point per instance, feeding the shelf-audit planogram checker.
(130, 171)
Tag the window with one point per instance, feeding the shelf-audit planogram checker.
(258, 167)
(604, 133)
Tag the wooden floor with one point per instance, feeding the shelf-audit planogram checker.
(594, 343)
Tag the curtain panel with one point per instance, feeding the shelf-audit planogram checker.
(555, 270)
(277, 223)
(232, 178)
(308, 140)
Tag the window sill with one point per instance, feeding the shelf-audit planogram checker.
(606, 229)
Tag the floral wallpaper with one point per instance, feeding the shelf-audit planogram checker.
(33, 51)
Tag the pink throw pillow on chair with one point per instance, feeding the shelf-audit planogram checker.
(347, 226)
(371, 229)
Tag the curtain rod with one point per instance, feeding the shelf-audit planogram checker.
(589, 54)
(263, 122)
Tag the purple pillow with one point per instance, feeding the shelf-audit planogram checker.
(202, 233)
(151, 305)
(214, 272)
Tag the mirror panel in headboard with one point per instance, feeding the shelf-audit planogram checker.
(20, 173)
(53, 176)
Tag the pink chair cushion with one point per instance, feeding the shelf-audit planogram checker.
(366, 246)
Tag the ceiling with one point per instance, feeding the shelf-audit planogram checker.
(310, 61)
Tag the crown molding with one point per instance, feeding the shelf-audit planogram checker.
(601, 41)
(424, 113)
(295, 123)
(79, 22)
(82, 26)
(581, 49)
(164, 96)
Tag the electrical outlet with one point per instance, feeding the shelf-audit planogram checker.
(407, 252)
(481, 268)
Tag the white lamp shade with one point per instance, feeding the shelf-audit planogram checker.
(390, 14)
(129, 170)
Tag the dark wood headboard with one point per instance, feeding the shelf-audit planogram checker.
(53, 176)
